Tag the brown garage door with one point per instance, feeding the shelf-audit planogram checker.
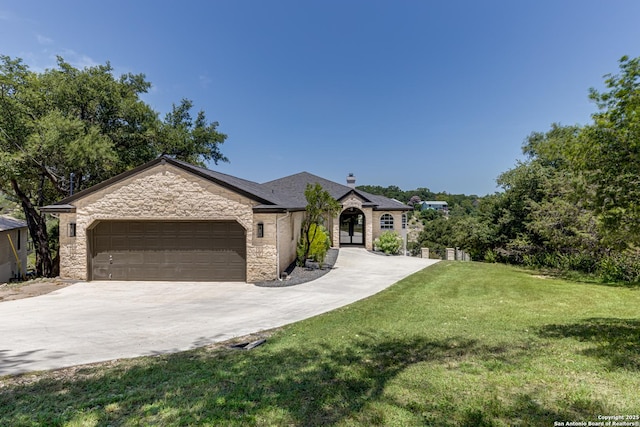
(178, 250)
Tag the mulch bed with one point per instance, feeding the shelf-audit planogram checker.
(298, 275)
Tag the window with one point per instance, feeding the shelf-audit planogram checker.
(386, 222)
(404, 221)
(72, 229)
(19, 238)
(260, 231)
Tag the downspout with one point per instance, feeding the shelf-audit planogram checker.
(278, 243)
(15, 253)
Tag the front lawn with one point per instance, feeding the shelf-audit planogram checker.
(456, 344)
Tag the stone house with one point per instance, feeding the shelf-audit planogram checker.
(170, 220)
(13, 248)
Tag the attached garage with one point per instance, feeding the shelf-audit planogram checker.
(167, 250)
(170, 220)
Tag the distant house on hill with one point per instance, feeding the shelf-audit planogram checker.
(435, 205)
(13, 248)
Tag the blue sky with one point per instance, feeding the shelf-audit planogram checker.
(407, 93)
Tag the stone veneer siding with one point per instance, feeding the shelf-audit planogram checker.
(397, 222)
(289, 227)
(165, 192)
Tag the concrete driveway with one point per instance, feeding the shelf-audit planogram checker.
(98, 321)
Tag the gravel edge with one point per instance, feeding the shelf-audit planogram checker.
(299, 275)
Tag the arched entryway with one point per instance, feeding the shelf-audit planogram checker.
(352, 227)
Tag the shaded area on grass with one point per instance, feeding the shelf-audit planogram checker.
(457, 344)
(616, 340)
(313, 385)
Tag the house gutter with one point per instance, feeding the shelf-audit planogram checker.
(278, 243)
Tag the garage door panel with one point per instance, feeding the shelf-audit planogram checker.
(153, 250)
(118, 228)
(119, 243)
(139, 243)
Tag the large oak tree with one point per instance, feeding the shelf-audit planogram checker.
(70, 128)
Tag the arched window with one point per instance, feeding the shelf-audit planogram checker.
(386, 222)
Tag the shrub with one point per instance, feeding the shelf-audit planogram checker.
(620, 267)
(320, 244)
(581, 262)
(491, 256)
(389, 242)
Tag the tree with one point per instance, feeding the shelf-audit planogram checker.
(392, 191)
(88, 123)
(414, 201)
(193, 142)
(608, 154)
(320, 205)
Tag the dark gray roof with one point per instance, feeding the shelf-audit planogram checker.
(385, 203)
(250, 188)
(9, 223)
(293, 186)
(281, 194)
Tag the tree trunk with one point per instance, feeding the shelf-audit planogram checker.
(309, 238)
(38, 231)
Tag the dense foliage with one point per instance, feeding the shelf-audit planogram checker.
(411, 197)
(68, 128)
(318, 246)
(573, 204)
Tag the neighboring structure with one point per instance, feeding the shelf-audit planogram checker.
(435, 205)
(170, 220)
(13, 248)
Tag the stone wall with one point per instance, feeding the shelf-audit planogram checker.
(166, 192)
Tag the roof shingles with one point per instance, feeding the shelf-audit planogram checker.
(281, 194)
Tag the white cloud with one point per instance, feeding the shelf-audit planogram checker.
(44, 40)
(76, 59)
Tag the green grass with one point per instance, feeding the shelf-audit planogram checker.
(456, 344)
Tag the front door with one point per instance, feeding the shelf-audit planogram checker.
(352, 227)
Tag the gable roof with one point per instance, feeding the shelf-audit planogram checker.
(8, 223)
(293, 187)
(242, 186)
(278, 195)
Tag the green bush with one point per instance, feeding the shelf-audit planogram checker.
(320, 244)
(389, 242)
(620, 267)
(491, 256)
(582, 262)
